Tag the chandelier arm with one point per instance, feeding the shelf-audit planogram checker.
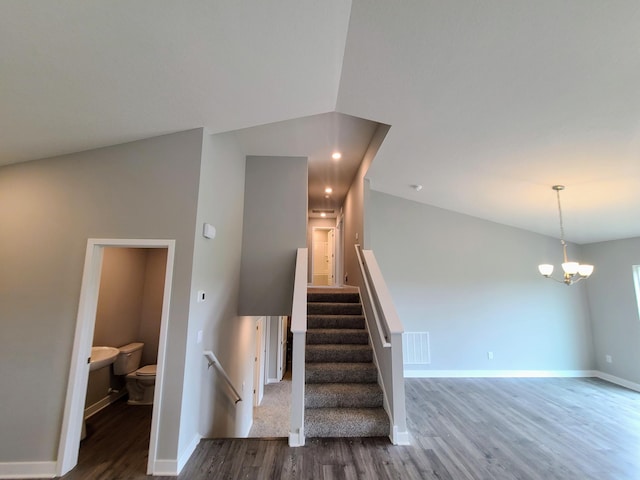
(556, 280)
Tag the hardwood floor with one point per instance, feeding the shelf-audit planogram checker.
(461, 429)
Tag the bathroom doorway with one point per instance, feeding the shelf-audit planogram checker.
(85, 329)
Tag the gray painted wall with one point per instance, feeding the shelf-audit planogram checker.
(614, 307)
(474, 286)
(209, 410)
(130, 299)
(355, 202)
(129, 309)
(120, 297)
(151, 314)
(48, 210)
(275, 225)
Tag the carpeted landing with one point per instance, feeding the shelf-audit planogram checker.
(272, 417)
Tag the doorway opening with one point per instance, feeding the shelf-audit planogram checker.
(323, 256)
(272, 379)
(77, 392)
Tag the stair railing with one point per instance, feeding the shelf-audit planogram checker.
(214, 362)
(299, 331)
(386, 331)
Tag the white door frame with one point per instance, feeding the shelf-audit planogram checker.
(259, 372)
(339, 248)
(332, 271)
(282, 347)
(83, 339)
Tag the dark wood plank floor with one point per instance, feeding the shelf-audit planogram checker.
(461, 429)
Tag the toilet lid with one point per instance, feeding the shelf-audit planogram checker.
(146, 370)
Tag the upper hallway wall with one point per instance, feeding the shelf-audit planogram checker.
(274, 227)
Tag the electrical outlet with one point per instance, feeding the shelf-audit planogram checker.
(608, 358)
(490, 355)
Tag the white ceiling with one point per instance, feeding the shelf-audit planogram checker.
(490, 103)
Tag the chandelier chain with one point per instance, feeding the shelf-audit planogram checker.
(560, 215)
(562, 242)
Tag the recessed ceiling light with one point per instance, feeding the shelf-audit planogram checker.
(336, 155)
(328, 190)
(323, 214)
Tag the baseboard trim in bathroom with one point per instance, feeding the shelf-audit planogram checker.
(103, 403)
(27, 469)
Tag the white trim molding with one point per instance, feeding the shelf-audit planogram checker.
(617, 380)
(498, 373)
(27, 469)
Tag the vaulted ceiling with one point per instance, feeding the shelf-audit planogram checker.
(490, 103)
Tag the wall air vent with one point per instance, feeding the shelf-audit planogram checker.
(320, 210)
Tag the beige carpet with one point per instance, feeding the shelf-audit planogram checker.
(271, 418)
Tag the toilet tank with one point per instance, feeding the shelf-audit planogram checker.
(128, 360)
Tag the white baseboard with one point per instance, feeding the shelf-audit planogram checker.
(398, 437)
(172, 468)
(27, 469)
(498, 373)
(103, 403)
(618, 381)
(165, 468)
(296, 440)
(272, 380)
(188, 451)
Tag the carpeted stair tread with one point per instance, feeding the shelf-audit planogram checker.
(322, 308)
(335, 321)
(340, 373)
(346, 422)
(333, 297)
(337, 336)
(338, 353)
(343, 395)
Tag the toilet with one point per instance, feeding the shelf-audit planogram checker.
(140, 382)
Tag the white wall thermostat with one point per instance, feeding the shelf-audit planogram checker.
(209, 231)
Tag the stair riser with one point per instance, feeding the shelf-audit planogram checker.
(334, 309)
(333, 297)
(337, 338)
(359, 431)
(337, 376)
(325, 422)
(343, 401)
(339, 356)
(335, 321)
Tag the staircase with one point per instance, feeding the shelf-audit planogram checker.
(342, 396)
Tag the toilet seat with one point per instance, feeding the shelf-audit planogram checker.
(146, 371)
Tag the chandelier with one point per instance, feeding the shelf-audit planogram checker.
(573, 271)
